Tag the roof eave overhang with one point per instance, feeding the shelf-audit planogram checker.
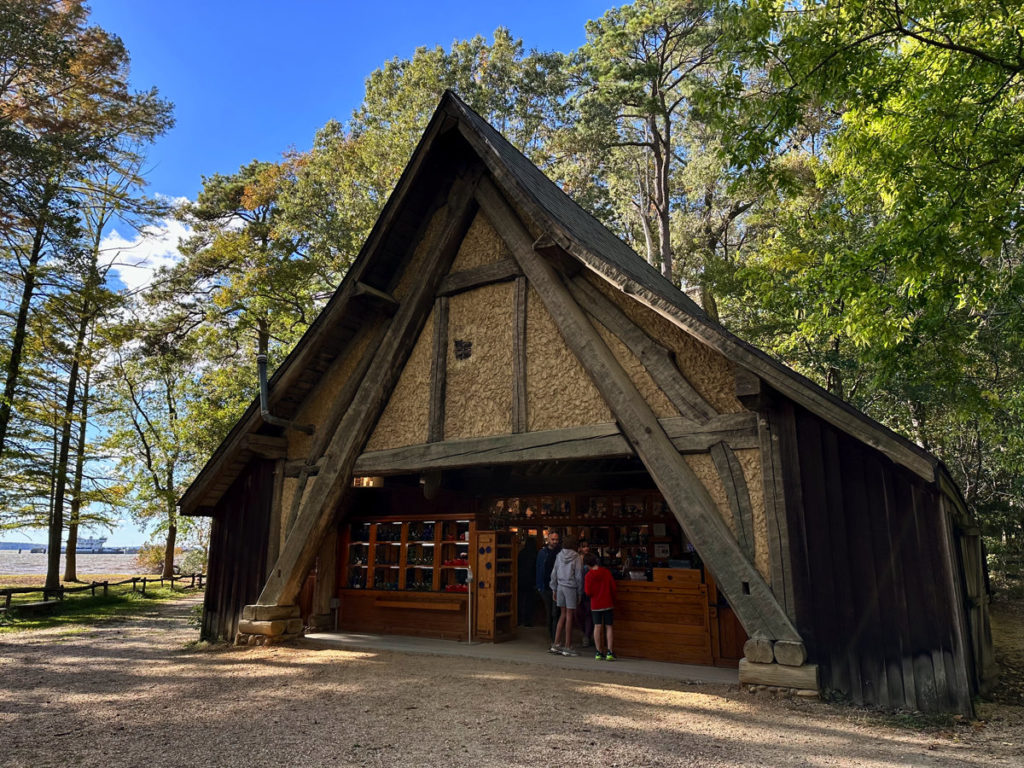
(788, 382)
(196, 501)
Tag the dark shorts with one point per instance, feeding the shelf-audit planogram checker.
(602, 617)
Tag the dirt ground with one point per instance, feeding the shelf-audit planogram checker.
(137, 693)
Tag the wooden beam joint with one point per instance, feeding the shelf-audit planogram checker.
(477, 277)
(376, 296)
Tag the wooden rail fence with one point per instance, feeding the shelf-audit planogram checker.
(57, 593)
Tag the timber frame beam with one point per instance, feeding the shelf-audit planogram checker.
(749, 595)
(657, 359)
(477, 277)
(599, 441)
(331, 482)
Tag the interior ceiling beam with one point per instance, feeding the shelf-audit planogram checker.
(598, 441)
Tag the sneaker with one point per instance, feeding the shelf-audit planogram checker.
(556, 649)
(609, 656)
(569, 652)
(598, 656)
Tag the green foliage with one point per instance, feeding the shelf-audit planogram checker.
(194, 561)
(336, 191)
(150, 558)
(839, 181)
(891, 271)
(272, 241)
(72, 135)
(633, 115)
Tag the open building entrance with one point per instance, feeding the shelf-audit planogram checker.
(406, 564)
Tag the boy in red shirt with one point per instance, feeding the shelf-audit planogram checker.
(599, 586)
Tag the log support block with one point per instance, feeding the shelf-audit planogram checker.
(803, 678)
(759, 650)
(789, 653)
(269, 628)
(270, 612)
(267, 624)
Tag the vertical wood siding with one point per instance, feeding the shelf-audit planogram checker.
(238, 550)
(874, 586)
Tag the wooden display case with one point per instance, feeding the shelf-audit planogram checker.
(495, 580)
(407, 576)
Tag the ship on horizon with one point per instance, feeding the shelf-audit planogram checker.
(91, 546)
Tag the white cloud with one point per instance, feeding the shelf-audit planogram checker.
(135, 259)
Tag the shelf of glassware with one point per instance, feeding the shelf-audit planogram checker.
(410, 592)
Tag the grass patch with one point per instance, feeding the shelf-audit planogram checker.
(81, 609)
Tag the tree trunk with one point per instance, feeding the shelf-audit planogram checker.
(262, 336)
(18, 337)
(172, 525)
(70, 561)
(662, 150)
(61, 470)
(70, 555)
(648, 235)
(708, 301)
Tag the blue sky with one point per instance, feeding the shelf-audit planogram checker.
(250, 80)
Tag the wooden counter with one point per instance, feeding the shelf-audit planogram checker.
(421, 614)
(666, 619)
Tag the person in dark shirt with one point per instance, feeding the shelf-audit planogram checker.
(525, 587)
(545, 564)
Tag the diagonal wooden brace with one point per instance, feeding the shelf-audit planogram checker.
(354, 429)
(739, 580)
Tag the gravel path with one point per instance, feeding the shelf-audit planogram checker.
(135, 693)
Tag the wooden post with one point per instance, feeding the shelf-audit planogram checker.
(438, 371)
(274, 525)
(520, 420)
(746, 590)
(354, 429)
(731, 474)
(106, 591)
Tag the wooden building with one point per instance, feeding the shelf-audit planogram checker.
(497, 362)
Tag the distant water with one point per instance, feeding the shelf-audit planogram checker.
(14, 564)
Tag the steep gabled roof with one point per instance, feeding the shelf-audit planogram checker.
(585, 238)
(548, 209)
